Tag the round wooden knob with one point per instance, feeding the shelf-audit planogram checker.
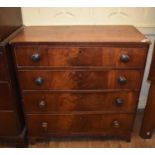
(119, 101)
(35, 57)
(124, 58)
(44, 126)
(116, 124)
(39, 81)
(42, 104)
(122, 80)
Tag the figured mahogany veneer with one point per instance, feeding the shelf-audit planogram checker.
(71, 124)
(49, 56)
(48, 102)
(80, 80)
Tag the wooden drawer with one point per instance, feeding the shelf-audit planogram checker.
(80, 80)
(113, 124)
(3, 66)
(8, 126)
(48, 102)
(47, 56)
(5, 97)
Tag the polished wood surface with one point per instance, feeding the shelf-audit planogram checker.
(79, 124)
(48, 56)
(136, 142)
(148, 123)
(108, 33)
(79, 80)
(58, 68)
(99, 142)
(53, 102)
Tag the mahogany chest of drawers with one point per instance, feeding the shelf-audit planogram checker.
(80, 80)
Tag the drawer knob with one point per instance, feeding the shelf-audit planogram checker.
(44, 126)
(116, 124)
(39, 81)
(35, 57)
(119, 101)
(124, 58)
(122, 80)
(42, 104)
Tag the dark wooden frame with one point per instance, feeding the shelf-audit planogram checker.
(18, 139)
(148, 123)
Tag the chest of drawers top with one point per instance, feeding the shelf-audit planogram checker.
(81, 34)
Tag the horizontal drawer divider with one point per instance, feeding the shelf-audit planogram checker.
(81, 112)
(74, 68)
(82, 44)
(83, 91)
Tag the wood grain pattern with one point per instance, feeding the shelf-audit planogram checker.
(78, 74)
(79, 80)
(79, 124)
(100, 142)
(108, 33)
(87, 142)
(80, 57)
(46, 102)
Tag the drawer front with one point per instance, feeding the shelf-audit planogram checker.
(5, 97)
(8, 125)
(80, 80)
(3, 67)
(47, 56)
(113, 124)
(48, 102)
